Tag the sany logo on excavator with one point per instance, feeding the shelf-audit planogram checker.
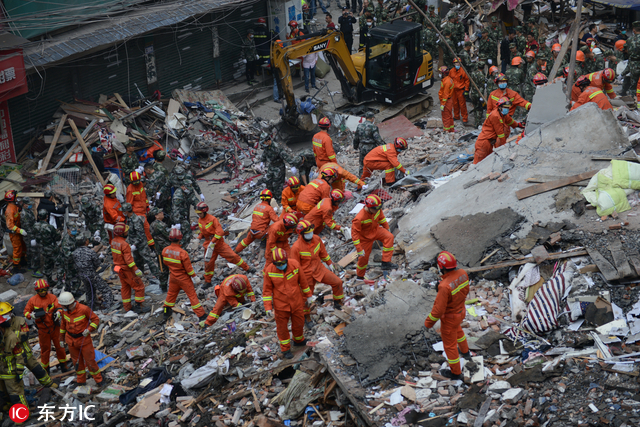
(320, 46)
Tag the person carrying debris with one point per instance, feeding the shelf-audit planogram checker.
(129, 161)
(93, 219)
(318, 189)
(495, 130)
(128, 272)
(449, 308)
(322, 214)
(111, 210)
(309, 251)
(214, 245)
(65, 268)
(367, 226)
(278, 235)
(27, 221)
(180, 276)
(86, 263)
(367, 138)
(137, 197)
(16, 234)
(181, 202)
(56, 210)
(304, 162)
(283, 289)
(445, 94)
(275, 159)
(47, 238)
(323, 144)
(385, 158)
(263, 215)
(231, 292)
(502, 91)
(142, 253)
(460, 91)
(43, 308)
(343, 176)
(591, 94)
(182, 176)
(78, 322)
(290, 195)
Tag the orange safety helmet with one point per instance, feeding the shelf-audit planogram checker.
(134, 176)
(41, 284)
(202, 207)
(400, 144)
(328, 172)
(337, 196)
(290, 220)
(175, 235)
(608, 75)
(456, 60)
(279, 256)
(516, 61)
(500, 77)
(373, 201)
(238, 283)
(305, 226)
(266, 194)
(109, 189)
(504, 102)
(10, 196)
(293, 24)
(293, 182)
(620, 45)
(444, 70)
(530, 54)
(446, 260)
(324, 122)
(556, 47)
(580, 56)
(539, 79)
(493, 69)
(120, 229)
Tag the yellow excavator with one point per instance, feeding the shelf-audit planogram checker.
(392, 67)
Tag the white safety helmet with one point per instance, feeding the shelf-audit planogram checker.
(597, 51)
(66, 298)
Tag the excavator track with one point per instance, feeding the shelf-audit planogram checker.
(411, 108)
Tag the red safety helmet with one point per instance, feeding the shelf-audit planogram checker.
(539, 79)
(500, 77)
(580, 56)
(516, 61)
(238, 283)
(279, 256)
(293, 24)
(373, 201)
(620, 45)
(262, 21)
(290, 220)
(400, 144)
(337, 196)
(41, 284)
(608, 75)
(557, 47)
(530, 54)
(447, 261)
(444, 70)
(583, 81)
(109, 189)
(293, 182)
(493, 69)
(504, 102)
(324, 123)
(120, 229)
(305, 226)
(456, 60)
(202, 207)
(328, 172)
(134, 176)
(266, 194)
(175, 235)
(10, 196)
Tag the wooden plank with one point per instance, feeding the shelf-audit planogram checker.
(64, 139)
(554, 256)
(348, 259)
(625, 158)
(608, 271)
(208, 169)
(620, 260)
(548, 186)
(52, 147)
(86, 151)
(121, 101)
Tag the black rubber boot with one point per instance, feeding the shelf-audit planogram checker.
(448, 374)
(167, 313)
(287, 354)
(388, 265)
(301, 343)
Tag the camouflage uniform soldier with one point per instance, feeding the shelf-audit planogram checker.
(182, 201)
(47, 238)
(93, 218)
(488, 48)
(160, 234)
(66, 269)
(479, 102)
(458, 32)
(447, 56)
(450, 27)
(545, 53)
(435, 19)
(533, 28)
(129, 161)
(429, 39)
(27, 221)
(465, 56)
(274, 158)
(520, 40)
(381, 13)
(180, 175)
(599, 59)
(159, 157)
(367, 138)
(516, 77)
(528, 88)
(137, 238)
(496, 31)
(158, 188)
(304, 161)
(87, 262)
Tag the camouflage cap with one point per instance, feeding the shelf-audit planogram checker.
(154, 211)
(481, 64)
(636, 25)
(85, 200)
(467, 43)
(519, 29)
(532, 21)
(432, 7)
(494, 19)
(447, 32)
(179, 170)
(126, 207)
(451, 15)
(43, 214)
(512, 46)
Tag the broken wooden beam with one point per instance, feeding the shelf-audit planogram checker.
(552, 185)
(554, 256)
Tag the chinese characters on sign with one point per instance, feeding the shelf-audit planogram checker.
(70, 413)
(7, 150)
(13, 79)
(7, 75)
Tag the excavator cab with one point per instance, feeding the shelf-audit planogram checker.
(395, 67)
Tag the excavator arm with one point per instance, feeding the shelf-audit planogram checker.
(330, 41)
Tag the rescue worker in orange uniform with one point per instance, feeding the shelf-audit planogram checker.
(322, 214)
(290, 195)
(43, 308)
(385, 158)
(283, 289)
(263, 215)
(343, 176)
(111, 210)
(495, 130)
(278, 235)
(445, 94)
(323, 144)
(309, 251)
(130, 275)
(370, 225)
(137, 196)
(77, 324)
(12, 219)
(591, 94)
(503, 91)
(460, 91)
(231, 292)
(180, 274)
(318, 189)
(602, 80)
(450, 310)
(214, 245)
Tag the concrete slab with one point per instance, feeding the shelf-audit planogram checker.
(562, 147)
(375, 340)
(549, 103)
(398, 127)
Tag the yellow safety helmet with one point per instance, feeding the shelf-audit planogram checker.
(5, 308)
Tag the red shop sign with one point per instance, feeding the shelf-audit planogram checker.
(13, 79)
(7, 150)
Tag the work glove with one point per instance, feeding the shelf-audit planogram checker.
(61, 343)
(294, 170)
(97, 239)
(360, 253)
(466, 93)
(120, 198)
(158, 195)
(196, 280)
(140, 169)
(332, 268)
(442, 108)
(309, 301)
(133, 248)
(268, 313)
(202, 197)
(638, 105)
(139, 273)
(364, 187)
(257, 56)
(56, 316)
(24, 233)
(28, 315)
(407, 172)
(33, 242)
(101, 256)
(202, 324)
(346, 232)
(177, 226)
(108, 227)
(481, 100)
(490, 62)
(85, 332)
(244, 61)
